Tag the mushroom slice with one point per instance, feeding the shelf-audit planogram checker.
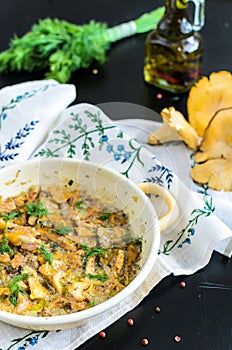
(207, 97)
(175, 128)
(217, 141)
(217, 173)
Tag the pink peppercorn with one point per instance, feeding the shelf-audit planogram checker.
(177, 339)
(144, 341)
(159, 96)
(182, 284)
(102, 334)
(130, 321)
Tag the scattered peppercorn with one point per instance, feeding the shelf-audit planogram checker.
(130, 321)
(102, 334)
(159, 96)
(177, 339)
(157, 309)
(144, 341)
(182, 284)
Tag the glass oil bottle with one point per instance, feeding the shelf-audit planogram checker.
(174, 51)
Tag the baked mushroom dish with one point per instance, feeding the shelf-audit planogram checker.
(62, 251)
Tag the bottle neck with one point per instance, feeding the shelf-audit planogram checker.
(176, 23)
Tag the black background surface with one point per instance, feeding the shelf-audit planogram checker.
(202, 317)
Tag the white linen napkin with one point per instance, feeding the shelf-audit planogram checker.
(27, 112)
(83, 131)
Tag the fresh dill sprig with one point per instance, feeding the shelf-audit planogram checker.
(47, 255)
(5, 248)
(101, 278)
(60, 48)
(104, 216)
(93, 251)
(15, 288)
(80, 205)
(36, 209)
(9, 216)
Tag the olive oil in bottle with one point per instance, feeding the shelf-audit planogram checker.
(173, 57)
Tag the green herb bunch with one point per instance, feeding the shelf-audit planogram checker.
(59, 47)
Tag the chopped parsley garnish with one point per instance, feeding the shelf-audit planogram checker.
(100, 278)
(80, 205)
(93, 251)
(15, 288)
(62, 230)
(36, 209)
(104, 216)
(9, 216)
(48, 256)
(5, 248)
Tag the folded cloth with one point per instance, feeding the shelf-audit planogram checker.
(27, 112)
(83, 131)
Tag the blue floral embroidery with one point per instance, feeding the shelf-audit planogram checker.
(117, 156)
(64, 140)
(33, 341)
(109, 148)
(120, 153)
(120, 148)
(31, 338)
(184, 236)
(15, 101)
(11, 148)
(162, 171)
(104, 138)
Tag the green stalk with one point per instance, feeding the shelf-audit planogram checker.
(145, 23)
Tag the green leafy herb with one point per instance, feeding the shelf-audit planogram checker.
(48, 256)
(9, 216)
(60, 48)
(92, 302)
(80, 205)
(62, 230)
(5, 248)
(101, 278)
(104, 217)
(93, 251)
(15, 288)
(139, 243)
(36, 209)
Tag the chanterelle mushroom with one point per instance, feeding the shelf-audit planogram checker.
(217, 173)
(216, 154)
(207, 97)
(174, 128)
(217, 141)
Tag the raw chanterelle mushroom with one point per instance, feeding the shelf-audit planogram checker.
(207, 97)
(174, 128)
(217, 173)
(209, 108)
(216, 153)
(217, 141)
